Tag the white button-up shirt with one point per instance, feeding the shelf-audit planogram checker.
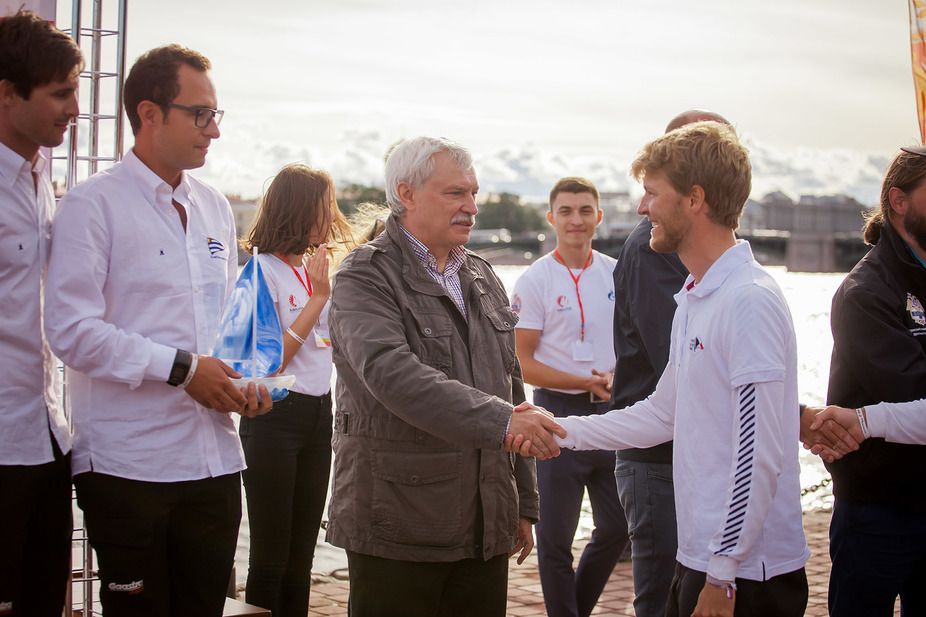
(29, 380)
(126, 289)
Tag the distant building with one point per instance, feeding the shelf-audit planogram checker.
(826, 214)
(620, 213)
(245, 211)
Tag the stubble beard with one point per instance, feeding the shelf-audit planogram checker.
(915, 225)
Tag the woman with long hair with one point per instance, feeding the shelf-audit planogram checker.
(288, 450)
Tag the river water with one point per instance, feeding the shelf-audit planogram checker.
(809, 297)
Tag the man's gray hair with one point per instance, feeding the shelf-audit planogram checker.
(411, 161)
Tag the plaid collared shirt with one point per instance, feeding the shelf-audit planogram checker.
(449, 279)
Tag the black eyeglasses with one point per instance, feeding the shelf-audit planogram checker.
(202, 116)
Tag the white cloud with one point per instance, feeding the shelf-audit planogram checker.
(531, 169)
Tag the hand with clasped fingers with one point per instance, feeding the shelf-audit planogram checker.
(599, 384)
(824, 436)
(834, 421)
(531, 432)
(212, 388)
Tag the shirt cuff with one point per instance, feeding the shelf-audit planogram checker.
(722, 567)
(877, 419)
(162, 360)
(569, 441)
(507, 430)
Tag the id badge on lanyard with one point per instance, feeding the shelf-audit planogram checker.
(582, 349)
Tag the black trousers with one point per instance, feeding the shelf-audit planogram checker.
(574, 591)
(165, 549)
(784, 595)
(392, 588)
(289, 461)
(35, 536)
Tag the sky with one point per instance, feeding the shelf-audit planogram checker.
(820, 91)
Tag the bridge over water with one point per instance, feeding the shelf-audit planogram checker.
(800, 251)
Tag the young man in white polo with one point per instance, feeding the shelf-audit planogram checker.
(565, 302)
(728, 394)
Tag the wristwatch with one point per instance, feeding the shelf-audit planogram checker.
(181, 368)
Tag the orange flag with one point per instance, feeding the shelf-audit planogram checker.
(918, 52)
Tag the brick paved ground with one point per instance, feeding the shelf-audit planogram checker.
(329, 594)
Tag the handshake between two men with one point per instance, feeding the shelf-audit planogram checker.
(532, 432)
(830, 433)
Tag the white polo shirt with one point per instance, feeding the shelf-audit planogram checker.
(545, 299)
(735, 463)
(312, 363)
(29, 384)
(126, 289)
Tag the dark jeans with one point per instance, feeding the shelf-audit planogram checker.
(878, 553)
(648, 498)
(35, 536)
(393, 588)
(165, 549)
(784, 595)
(562, 482)
(288, 452)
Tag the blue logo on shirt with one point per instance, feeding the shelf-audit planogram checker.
(215, 248)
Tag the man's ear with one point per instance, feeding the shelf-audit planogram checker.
(150, 113)
(696, 195)
(406, 195)
(7, 91)
(896, 199)
(550, 217)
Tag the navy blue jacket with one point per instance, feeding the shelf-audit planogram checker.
(879, 354)
(644, 285)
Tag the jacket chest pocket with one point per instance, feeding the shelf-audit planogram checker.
(435, 331)
(503, 321)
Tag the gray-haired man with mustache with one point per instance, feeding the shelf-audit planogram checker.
(425, 501)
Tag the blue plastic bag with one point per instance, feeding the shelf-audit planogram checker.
(250, 343)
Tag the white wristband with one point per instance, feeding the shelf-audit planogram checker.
(194, 362)
(863, 422)
(293, 334)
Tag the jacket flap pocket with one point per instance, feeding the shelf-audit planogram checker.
(432, 325)
(503, 318)
(416, 468)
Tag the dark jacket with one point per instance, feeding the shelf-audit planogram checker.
(644, 285)
(879, 354)
(423, 402)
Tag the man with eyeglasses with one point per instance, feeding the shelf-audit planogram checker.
(143, 260)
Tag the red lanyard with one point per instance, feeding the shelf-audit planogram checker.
(307, 284)
(575, 280)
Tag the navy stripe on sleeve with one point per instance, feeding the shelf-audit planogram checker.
(742, 480)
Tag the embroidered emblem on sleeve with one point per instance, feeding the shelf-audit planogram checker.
(915, 308)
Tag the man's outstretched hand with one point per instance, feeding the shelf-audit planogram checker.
(531, 432)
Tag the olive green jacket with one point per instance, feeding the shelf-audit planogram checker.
(424, 398)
